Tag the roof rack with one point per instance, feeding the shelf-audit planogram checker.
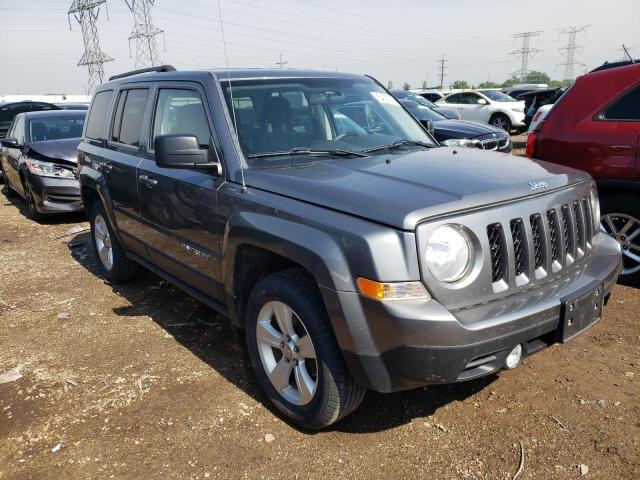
(161, 68)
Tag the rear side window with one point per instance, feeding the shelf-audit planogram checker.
(127, 123)
(182, 112)
(98, 115)
(626, 107)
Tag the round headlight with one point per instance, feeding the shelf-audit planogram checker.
(449, 253)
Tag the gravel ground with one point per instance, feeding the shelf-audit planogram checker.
(141, 381)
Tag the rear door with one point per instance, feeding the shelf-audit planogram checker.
(123, 154)
(179, 206)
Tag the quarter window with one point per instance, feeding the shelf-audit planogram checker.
(181, 111)
(17, 130)
(626, 107)
(98, 115)
(127, 123)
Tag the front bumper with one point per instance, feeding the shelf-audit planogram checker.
(392, 346)
(55, 195)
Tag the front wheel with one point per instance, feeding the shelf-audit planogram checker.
(294, 354)
(621, 220)
(32, 209)
(500, 120)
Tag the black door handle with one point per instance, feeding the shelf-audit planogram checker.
(149, 182)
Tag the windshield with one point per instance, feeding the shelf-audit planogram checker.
(497, 96)
(55, 128)
(421, 112)
(299, 116)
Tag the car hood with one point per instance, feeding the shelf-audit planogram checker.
(401, 189)
(58, 151)
(465, 129)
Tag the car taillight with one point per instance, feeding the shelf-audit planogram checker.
(532, 143)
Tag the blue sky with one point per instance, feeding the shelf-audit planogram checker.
(399, 41)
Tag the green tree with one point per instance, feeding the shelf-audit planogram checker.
(489, 84)
(389, 84)
(406, 86)
(460, 84)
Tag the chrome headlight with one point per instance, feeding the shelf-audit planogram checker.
(459, 142)
(595, 209)
(46, 169)
(449, 253)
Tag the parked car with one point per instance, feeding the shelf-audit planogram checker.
(535, 99)
(514, 91)
(38, 158)
(446, 112)
(539, 116)
(487, 106)
(353, 260)
(73, 106)
(433, 95)
(595, 126)
(460, 133)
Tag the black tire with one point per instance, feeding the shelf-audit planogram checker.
(337, 394)
(122, 268)
(6, 189)
(32, 210)
(500, 120)
(627, 205)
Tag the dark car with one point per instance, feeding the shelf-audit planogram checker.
(535, 99)
(353, 258)
(38, 157)
(595, 127)
(460, 133)
(73, 106)
(450, 113)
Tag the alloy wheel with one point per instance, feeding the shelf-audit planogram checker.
(626, 230)
(287, 353)
(103, 242)
(500, 122)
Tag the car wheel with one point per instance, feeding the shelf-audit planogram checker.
(112, 262)
(500, 120)
(294, 354)
(32, 209)
(621, 220)
(6, 188)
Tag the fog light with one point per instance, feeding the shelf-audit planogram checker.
(513, 359)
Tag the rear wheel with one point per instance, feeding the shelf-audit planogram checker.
(109, 254)
(6, 188)
(621, 220)
(294, 354)
(500, 120)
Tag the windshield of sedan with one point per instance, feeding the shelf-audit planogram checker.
(287, 120)
(498, 96)
(55, 128)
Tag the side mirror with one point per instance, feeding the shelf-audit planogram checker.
(10, 142)
(428, 124)
(482, 101)
(184, 152)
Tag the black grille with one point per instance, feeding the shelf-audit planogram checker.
(565, 229)
(553, 234)
(518, 246)
(588, 219)
(580, 238)
(538, 242)
(496, 249)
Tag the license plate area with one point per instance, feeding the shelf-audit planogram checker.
(581, 312)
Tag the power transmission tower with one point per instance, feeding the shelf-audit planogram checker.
(282, 62)
(86, 13)
(570, 51)
(144, 33)
(442, 63)
(525, 52)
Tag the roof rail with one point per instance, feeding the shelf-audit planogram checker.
(161, 68)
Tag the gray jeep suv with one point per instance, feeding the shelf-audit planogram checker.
(312, 210)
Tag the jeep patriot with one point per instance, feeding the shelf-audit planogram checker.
(312, 210)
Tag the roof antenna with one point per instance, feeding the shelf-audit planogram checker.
(233, 108)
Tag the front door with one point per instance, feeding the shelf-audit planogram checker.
(178, 206)
(12, 156)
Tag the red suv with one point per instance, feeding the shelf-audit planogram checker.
(595, 126)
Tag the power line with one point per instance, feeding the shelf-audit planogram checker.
(144, 33)
(570, 51)
(525, 51)
(86, 13)
(442, 63)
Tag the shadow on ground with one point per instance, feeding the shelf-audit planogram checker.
(52, 219)
(212, 339)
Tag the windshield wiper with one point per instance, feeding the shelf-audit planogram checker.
(398, 144)
(309, 151)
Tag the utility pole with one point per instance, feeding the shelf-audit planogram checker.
(281, 63)
(86, 13)
(442, 63)
(525, 51)
(570, 51)
(144, 33)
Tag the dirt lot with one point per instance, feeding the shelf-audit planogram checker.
(140, 381)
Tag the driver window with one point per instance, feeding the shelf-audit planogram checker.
(181, 111)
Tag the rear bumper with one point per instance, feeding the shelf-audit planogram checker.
(392, 346)
(55, 195)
